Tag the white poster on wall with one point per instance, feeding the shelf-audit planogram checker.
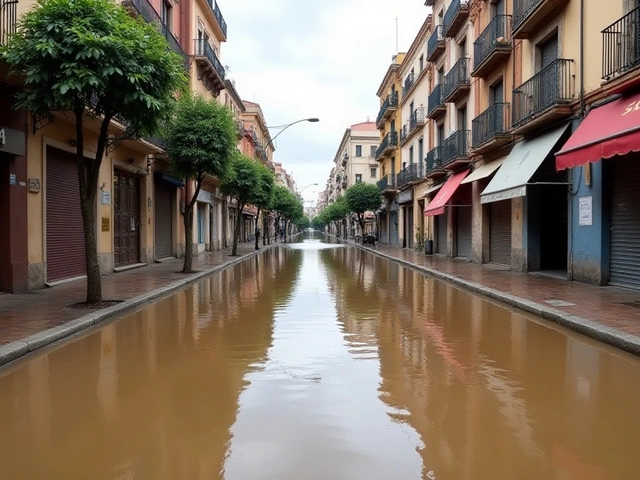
(585, 216)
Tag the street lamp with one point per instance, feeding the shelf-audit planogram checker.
(299, 192)
(284, 127)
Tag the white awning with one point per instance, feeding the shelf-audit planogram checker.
(484, 171)
(432, 189)
(521, 164)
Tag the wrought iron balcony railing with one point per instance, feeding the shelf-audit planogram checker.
(417, 119)
(218, 14)
(8, 19)
(491, 123)
(404, 133)
(454, 15)
(497, 36)
(551, 86)
(456, 78)
(387, 182)
(389, 140)
(390, 102)
(435, 44)
(408, 83)
(203, 49)
(409, 174)
(434, 159)
(621, 45)
(456, 146)
(436, 99)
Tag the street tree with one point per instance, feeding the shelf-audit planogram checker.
(263, 194)
(243, 185)
(361, 198)
(336, 212)
(92, 59)
(280, 201)
(201, 140)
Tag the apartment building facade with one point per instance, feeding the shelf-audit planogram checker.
(388, 154)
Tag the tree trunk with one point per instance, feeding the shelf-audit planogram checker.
(361, 222)
(265, 229)
(236, 233)
(188, 242)
(257, 229)
(94, 280)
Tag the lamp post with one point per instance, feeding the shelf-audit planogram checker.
(265, 222)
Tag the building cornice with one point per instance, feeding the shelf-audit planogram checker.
(420, 39)
(388, 79)
(228, 85)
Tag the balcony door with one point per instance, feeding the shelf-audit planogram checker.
(498, 8)
(496, 96)
(548, 86)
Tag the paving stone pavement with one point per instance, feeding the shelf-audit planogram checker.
(611, 307)
(23, 315)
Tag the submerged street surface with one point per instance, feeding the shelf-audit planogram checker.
(320, 361)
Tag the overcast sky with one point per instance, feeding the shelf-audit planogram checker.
(306, 58)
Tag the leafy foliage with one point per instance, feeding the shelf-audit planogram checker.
(242, 180)
(265, 186)
(91, 54)
(200, 138)
(361, 198)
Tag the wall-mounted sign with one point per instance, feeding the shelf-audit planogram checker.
(205, 197)
(585, 216)
(105, 198)
(12, 141)
(34, 185)
(105, 224)
(13, 180)
(405, 196)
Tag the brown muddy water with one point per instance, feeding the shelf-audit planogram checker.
(322, 362)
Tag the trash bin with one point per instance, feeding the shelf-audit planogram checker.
(428, 247)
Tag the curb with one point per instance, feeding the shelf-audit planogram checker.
(610, 336)
(19, 348)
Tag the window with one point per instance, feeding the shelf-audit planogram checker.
(167, 14)
(411, 155)
(462, 118)
(358, 178)
(421, 62)
(374, 149)
(462, 48)
(358, 150)
(374, 172)
(420, 150)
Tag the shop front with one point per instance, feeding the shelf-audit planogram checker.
(165, 206)
(405, 200)
(605, 200)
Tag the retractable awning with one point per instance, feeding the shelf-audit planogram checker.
(165, 178)
(483, 171)
(436, 207)
(432, 189)
(610, 130)
(521, 164)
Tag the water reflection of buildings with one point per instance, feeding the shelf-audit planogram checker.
(492, 393)
(152, 396)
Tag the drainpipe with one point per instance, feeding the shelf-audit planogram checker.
(582, 105)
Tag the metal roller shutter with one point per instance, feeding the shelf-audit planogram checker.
(65, 233)
(500, 233)
(463, 231)
(393, 218)
(441, 232)
(625, 223)
(163, 217)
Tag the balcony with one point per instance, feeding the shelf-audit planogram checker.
(456, 150)
(434, 163)
(387, 184)
(457, 81)
(220, 22)
(490, 129)
(492, 47)
(8, 19)
(529, 15)
(404, 133)
(621, 46)
(209, 67)
(389, 106)
(543, 99)
(436, 103)
(388, 144)
(417, 119)
(455, 16)
(436, 44)
(408, 83)
(146, 11)
(410, 174)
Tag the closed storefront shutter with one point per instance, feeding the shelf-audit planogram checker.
(500, 233)
(393, 229)
(625, 223)
(441, 232)
(65, 234)
(164, 194)
(463, 226)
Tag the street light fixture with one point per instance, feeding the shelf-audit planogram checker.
(284, 127)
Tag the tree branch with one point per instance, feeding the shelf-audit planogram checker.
(78, 111)
(199, 180)
(100, 147)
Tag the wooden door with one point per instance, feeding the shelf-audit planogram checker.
(126, 219)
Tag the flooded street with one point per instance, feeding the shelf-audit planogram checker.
(317, 361)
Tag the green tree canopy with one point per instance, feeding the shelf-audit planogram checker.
(263, 193)
(91, 56)
(361, 198)
(200, 140)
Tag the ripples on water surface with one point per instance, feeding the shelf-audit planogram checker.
(318, 361)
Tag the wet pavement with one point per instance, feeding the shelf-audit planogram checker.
(320, 361)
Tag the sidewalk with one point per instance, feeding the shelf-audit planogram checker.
(608, 314)
(29, 314)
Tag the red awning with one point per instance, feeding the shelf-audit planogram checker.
(610, 130)
(436, 207)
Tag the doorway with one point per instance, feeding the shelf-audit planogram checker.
(126, 214)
